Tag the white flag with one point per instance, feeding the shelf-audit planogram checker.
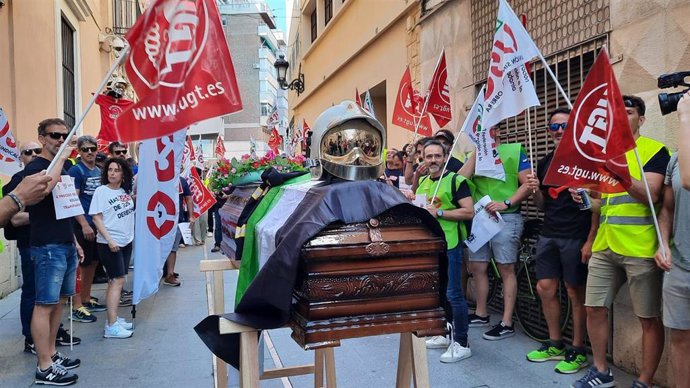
(9, 152)
(488, 163)
(199, 154)
(158, 185)
(368, 104)
(509, 88)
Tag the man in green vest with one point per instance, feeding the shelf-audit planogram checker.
(624, 248)
(451, 205)
(506, 197)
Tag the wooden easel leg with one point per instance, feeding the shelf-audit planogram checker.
(329, 357)
(221, 373)
(324, 368)
(420, 370)
(404, 374)
(319, 363)
(249, 360)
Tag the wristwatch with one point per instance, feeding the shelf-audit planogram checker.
(439, 213)
(507, 203)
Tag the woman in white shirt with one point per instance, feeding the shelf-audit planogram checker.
(112, 209)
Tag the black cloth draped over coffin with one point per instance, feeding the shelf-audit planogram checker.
(267, 301)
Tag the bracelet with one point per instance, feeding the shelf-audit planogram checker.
(16, 200)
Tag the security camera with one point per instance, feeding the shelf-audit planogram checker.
(118, 44)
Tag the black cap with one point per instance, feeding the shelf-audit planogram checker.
(446, 134)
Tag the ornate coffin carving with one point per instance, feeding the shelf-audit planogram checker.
(371, 278)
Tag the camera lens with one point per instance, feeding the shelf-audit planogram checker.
(668, 102)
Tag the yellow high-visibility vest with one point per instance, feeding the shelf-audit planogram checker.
(626, 226)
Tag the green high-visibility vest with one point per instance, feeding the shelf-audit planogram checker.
(498, 190)
(626, 225)
(449, 184)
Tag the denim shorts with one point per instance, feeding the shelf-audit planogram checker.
(505, 245)
(55, 271)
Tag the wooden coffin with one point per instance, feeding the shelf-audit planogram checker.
(230, 213)
(365, 279)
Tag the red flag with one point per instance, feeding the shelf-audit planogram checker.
(220, 147)
(203, 199)
(180, 67)
(439, 94)
(305, 134)
(275, 141)
(408, 107)
(358, 100)
(591, 153)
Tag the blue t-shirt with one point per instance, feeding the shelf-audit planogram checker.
(524, 162)
(86, 181)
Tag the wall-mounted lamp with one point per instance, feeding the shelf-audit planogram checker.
(297, 84)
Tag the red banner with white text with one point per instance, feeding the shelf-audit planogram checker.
(408, 107)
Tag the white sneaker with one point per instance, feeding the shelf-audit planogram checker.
(125, 325)
(209, 234)
(455, 353)
(116, 331)
(437, 342)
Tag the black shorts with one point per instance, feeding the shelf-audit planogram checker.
(561, 258)
(89, 247)
(116, 263)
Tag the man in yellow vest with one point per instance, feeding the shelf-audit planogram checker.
(624, 247)
(451, 205)
(506, 197)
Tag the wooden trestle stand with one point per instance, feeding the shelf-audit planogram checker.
(412, 362)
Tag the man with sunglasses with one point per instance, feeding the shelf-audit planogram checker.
(117, 150)
(87, 178)
(55, 257)
(562, 252)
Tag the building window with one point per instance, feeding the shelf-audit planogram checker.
(68, 80)
(328, 10)
(125, 13)
(266, 109)
(313, 25)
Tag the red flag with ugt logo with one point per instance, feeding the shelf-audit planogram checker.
(591, 153)
(439, 94)
(180, 68)
(220, 147)
(408, 106)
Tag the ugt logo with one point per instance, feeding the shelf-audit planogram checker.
(592, 124)
(175, 40)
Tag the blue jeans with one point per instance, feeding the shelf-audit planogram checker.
(26, 304)
(217, 233)
(55, 271)
(455, 297)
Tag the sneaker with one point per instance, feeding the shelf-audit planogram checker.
(93, 299)
(116, 331)
(171, 281)
(94, 306)
(573, 362)
(125, 325)
(638, 384)
(499, 332)
(64, 339)
(55, 375)
(209, 234)
(64, 361)
(437, 342)
(29, 347)
(125, 301)
(126, 293)
(594, 378)
(475, 320)
(546, 353)
(82, 314)
(215, 248)
(455, 353)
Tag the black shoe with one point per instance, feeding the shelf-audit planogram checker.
(215, 249)
(499, 332)
(94, 306)
(64, 339)
(475, 320)
(125, 301)
(126, 293)
(55, 375)
(64, 361)
(29, 347)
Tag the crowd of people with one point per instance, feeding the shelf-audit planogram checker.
(61, 257)
(593, 251)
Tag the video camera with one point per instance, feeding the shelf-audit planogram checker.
(668, 102)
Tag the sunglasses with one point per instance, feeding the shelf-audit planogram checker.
(556, 127)
(57, 135)
(120, 152)
(30, 151)
(88, 149)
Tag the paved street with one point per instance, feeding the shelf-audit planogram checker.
(165, 351)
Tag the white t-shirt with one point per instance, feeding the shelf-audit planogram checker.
(117, 208)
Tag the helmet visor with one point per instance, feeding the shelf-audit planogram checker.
(354, 143)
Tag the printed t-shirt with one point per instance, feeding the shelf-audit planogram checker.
(117, 208)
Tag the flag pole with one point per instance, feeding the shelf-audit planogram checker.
(651, 204)
(426, 98)
(529, 139)
(555, 80)
(123, 55)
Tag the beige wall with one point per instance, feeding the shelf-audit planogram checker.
(31, 76)
(365, 44)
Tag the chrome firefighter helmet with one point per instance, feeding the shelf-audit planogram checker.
(347, 142)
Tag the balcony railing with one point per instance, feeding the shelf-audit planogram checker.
(125, 13)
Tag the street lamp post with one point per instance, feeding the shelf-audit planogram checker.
(297, 84)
